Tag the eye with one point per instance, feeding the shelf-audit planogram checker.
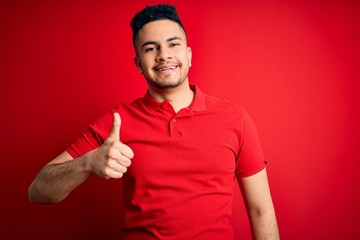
(174, 44)
(150, 49)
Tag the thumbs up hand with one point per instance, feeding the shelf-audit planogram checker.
(112, 158)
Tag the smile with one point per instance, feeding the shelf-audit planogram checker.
(165, 68)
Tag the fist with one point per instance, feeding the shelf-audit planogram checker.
(113, 157)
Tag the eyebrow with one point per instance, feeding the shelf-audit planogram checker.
(167, 40)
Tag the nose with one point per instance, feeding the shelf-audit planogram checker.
(163, 55)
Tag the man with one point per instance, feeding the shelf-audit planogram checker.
(177, 151)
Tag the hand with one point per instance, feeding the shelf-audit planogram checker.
(112, 158)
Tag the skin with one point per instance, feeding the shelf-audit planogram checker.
(164, 58)
(60, 176)
(259, 206)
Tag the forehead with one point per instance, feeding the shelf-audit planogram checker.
(160, 30)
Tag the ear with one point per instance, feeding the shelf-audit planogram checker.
(189, 55)
(138, 64)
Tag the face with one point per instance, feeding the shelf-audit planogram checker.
(162, 54)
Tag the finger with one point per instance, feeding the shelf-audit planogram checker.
(113, 174)
(123, 149)
(115, 130)
(126, 162)
(120, 158)
(127, 151)
(115, 166)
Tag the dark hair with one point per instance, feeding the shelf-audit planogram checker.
(153, 13)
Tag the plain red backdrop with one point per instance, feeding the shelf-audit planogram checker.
(294, 65)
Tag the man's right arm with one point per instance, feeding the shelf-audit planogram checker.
(58, 178)
(63, 174)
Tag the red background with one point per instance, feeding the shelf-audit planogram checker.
(294, 65)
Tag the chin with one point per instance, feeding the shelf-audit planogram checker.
(165, 85)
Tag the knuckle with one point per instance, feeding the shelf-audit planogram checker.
(131, 153)
(106, 173)
(112, 153)
(127, 152)
(110, 163)
(109, 156)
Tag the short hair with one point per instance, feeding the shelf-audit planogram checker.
(154, 13)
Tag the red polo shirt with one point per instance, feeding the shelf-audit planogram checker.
(180, 183)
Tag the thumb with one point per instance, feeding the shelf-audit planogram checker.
(115, 130)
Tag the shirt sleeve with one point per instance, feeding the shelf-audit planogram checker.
(93, 136)
(251, 158)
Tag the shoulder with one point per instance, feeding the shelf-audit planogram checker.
(221, 104)
(106, 118)
(130, 108)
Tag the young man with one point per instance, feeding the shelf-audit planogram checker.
(177, 151)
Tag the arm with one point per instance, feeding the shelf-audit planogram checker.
(259, 206)
(50, 185)
(63, 174)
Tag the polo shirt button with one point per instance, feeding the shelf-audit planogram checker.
(174, 120)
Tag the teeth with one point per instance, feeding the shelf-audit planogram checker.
(164, 69)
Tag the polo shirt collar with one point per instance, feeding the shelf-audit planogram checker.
(197, 105)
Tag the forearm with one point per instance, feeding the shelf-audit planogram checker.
(63, 174)
(257, 198)
(55, 181)
(264, 225)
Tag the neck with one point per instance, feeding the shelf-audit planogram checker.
(179, 97)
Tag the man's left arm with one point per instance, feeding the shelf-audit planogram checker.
(257, 197)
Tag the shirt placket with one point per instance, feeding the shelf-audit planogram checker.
(174, 119)
(175, 130)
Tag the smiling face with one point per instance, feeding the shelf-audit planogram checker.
(162, 54)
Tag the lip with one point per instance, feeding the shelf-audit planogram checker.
(166, 68)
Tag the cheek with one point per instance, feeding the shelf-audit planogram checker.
(183, 57)
(187, 59)
(146, 62)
